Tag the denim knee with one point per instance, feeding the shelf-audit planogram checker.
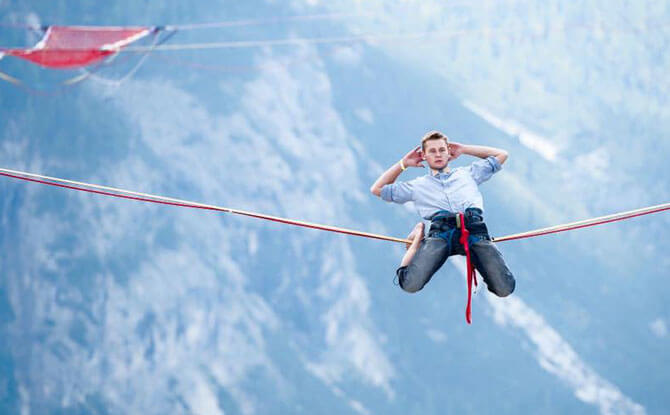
(505, 286)
(408, 286)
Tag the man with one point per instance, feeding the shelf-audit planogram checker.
(448, 198)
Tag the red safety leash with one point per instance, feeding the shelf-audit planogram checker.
(471, 276)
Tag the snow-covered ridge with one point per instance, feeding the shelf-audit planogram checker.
(542, 145)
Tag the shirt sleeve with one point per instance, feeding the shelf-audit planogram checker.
(482, 170)
(399, 192)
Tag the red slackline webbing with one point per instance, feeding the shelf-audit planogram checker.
(194, 205)
(126, 194)
(470, 277)
(540, 232)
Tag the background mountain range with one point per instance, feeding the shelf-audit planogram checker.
(110, 306)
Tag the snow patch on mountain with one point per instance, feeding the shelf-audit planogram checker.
(556, 356)
(534, 141)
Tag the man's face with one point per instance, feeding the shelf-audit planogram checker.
(436, 154)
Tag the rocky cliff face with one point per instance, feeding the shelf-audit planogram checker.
(110, 306)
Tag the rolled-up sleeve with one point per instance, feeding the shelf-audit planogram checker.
(482, 170)
(400, 192)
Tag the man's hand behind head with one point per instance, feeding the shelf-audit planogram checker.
(414, 158)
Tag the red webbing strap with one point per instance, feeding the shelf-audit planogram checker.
(471, 277)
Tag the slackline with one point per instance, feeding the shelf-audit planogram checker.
(145, 197)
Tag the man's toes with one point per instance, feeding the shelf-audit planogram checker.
(416, 235)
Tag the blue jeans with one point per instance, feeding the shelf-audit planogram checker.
(443, 241)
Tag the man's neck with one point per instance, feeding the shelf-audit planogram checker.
(446, 169)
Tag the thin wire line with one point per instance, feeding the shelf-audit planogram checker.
(431, 34)
(266, 20)
(225, 23)
(236, 44)
(436, 34)
(247, 22)
(117, 82)
(586, 223)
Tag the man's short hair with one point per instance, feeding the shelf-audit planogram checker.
(433, 135)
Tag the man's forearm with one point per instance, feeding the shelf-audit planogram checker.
(485, 151)
(388, 177)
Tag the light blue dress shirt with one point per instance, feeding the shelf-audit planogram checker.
(454, 191)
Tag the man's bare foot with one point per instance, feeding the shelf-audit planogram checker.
(415, 236)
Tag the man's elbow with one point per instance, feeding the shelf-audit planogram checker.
(376, 191)
(502, 156)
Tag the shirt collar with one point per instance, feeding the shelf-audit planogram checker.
(437, 173)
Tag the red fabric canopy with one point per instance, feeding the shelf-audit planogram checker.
(76, 46)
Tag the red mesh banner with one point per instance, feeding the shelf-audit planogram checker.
(77, 46)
